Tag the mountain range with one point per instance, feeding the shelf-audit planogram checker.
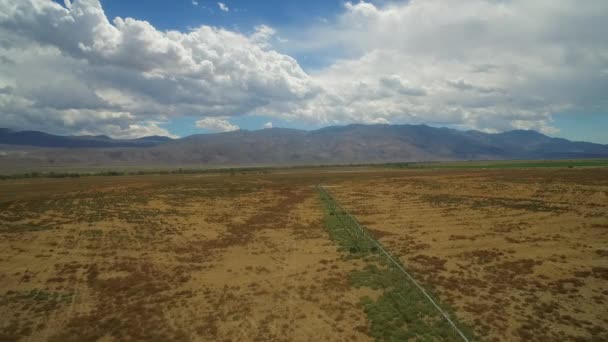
(282, 146)
(41, 139)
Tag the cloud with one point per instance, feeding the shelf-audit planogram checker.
(395, 83)
(223, 7)
(194, 3)
(61, 59)
(6, 90)
(461, 84)
(262, 35)
(488, 65)
(6, 60)
(268, 125)
(478, 64)
(464, 85)
(133, 130)
(219, 124)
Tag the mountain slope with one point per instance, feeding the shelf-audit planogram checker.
(41, 139)
(280, 146)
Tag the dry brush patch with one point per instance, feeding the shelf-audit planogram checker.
(241, 257)
(518, 254)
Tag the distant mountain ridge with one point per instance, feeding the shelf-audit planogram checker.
(281, 146)
(41, 139)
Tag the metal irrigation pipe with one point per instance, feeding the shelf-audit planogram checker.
(443, 313)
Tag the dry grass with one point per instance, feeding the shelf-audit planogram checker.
(518, 255)
(171, 258)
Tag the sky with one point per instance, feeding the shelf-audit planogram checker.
(131, 68)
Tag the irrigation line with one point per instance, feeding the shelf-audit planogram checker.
(443, 313)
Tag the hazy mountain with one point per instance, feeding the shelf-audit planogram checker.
(41, 139)
(281, 146)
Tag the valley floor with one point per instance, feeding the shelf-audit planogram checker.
(515, 254)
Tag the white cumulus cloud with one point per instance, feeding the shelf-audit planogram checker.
(60, 59)
(482, 64)
(268, 125)
(476, 64)
(216, 124)
(223, 7)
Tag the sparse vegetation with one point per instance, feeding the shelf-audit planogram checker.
(115, 257)
(524, 164)
(401, 312)
(183, 256)
(512, 252)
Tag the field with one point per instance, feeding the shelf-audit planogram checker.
(515, 254)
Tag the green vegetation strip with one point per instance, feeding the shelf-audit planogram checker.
(402, 310)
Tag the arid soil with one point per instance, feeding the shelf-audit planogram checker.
(515, 254)
(171, 258)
